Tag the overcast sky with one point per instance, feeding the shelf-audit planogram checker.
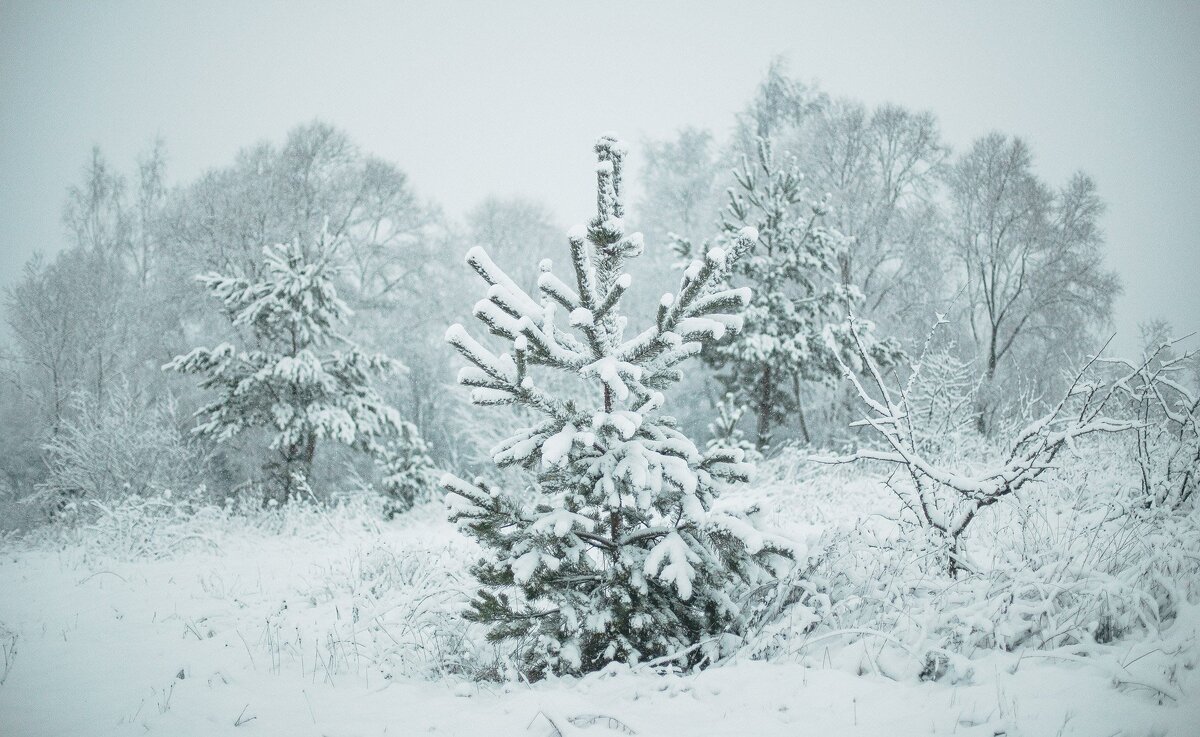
(479, 98)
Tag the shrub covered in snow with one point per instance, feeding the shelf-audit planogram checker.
(1076, 568)
(122, 445)
(167, 524)
(619, 553)
(1158, 398)
(942, 494)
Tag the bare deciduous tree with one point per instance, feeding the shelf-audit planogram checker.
(881, 168)
(682, 178)
(1032, 258)
(514, 227)
(274, 195)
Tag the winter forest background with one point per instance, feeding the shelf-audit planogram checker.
(811, 421)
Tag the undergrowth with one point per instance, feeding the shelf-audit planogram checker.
(1078, 567)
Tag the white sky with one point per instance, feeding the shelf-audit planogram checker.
(484, 97)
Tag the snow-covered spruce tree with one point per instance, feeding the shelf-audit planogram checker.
(724, 431)
(797, 293)
(290, 382)
(619, 553)
(407, 471)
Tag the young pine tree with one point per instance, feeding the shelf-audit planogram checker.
(408, 473)
(724, 430)
(799, 301)
(291, 381)
(619, 553)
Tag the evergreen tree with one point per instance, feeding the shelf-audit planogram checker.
(290, 381)
(724, 431)
(799, 302)
(408, 473)
(618, 554)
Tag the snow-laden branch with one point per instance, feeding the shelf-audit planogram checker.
(1083, 410)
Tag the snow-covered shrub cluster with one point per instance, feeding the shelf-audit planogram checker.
(124, 446)
(1076, 567)
(168, 523)
(1156, 395)
(1079, 550)
(621, 552)
(943, 493)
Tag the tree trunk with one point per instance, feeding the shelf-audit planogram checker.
(991, 366)
(765, 385)
(800, 409)
(803, 424)
(297, 461)
(984, 399)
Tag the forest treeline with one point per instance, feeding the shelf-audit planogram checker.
(900, 231)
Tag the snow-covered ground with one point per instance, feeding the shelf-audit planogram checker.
(330, 623)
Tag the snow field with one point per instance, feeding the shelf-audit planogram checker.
(163, 618)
